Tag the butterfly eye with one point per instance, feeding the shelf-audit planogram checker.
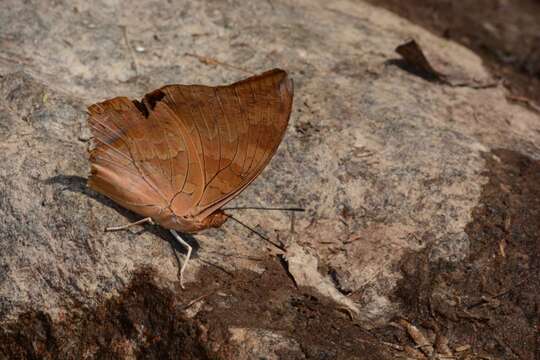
(179, 219)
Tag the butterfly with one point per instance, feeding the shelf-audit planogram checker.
(181, 153)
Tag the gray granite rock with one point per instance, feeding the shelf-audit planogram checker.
(384, 161)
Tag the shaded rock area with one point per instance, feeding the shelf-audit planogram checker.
(504, 32)
(420, 236)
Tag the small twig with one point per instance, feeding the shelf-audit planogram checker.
(506, 346)
(521, 99)
(393, 346)
(211, 292)
(420, 340)
(211, 61)
(134, 65)
(199, 298)
(441, 345)
(16, 59)
(486, 299)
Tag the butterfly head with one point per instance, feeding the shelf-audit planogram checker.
(189, 224)
(216, 219)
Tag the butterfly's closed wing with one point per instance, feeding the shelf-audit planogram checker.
(237, 129)
(188, 149)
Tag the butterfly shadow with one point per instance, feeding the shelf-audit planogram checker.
(77, 184)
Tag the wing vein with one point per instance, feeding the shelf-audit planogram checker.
(114, 163)
(228, 123)
(218, 132)
(132, 158)
(258, 134)
(247, 123)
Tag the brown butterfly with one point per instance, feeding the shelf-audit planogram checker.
(184, 151)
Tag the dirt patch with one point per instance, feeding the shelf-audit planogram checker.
(487, 305)
(146, 321)
(505, 33)
(142, 321)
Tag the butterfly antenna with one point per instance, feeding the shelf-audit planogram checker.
(294, 209)
(279, 246)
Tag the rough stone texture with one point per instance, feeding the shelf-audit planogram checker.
(253, 343)
(384, 161)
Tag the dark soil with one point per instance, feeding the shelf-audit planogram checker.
(148, 322)
(491, 300)
(506, 34)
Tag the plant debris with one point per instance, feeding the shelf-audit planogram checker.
(436, 69)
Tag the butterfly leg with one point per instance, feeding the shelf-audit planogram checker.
(123, 227)
(189, 248)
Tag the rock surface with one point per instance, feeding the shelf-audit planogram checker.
(385, 162)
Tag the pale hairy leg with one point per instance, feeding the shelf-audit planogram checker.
(127, 226)
(189, 248)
